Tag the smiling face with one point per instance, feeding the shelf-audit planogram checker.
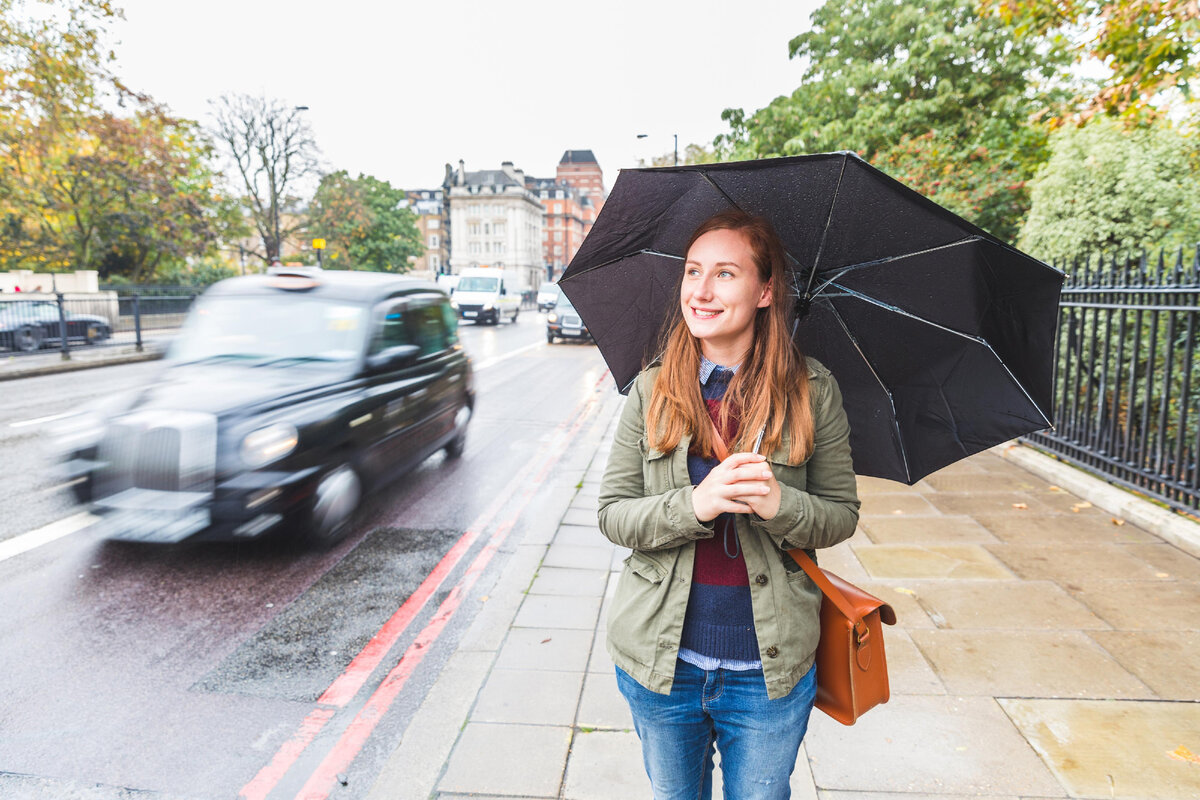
(721, 293)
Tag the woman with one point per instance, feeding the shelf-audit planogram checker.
(713, 628)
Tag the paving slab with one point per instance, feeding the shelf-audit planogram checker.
(961, 561)
(599, 660)
(1168, 561)
(579, 516)
(558, 611)
(545, 649)
(582, 536)
(1115, 749)
(835, 795)
(926, 746)
(563, 581)
(985, 481)
(602, 705)
(1020, 605)
(522, 760)
(867, 486)
(606, 765)
(532, 698)
(926, 530)
(841, 560)
(1059, 529)
(995, 502)
(1026, 664)
(1166, 661)
(577, 557)
(1074, 562)
(1143, 605)
(908, 503)
(908, 671)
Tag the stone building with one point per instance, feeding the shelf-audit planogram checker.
(495, 220)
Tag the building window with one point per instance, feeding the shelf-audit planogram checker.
(487, 229)
(558, 236)
(498, 229)
(473, 228)
(499, 248)
(433, 240)
(435, 262)
(433, 223)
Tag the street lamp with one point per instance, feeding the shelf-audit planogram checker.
(675, 135)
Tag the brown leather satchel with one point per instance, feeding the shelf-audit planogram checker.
(851, 669)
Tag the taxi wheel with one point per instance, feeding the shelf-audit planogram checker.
(336, 497)
(549, 338)
(458, 444)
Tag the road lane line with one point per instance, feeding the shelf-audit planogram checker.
(343, 689)
(320, 784)
(44, 535)
(494, 360)
(40, 420)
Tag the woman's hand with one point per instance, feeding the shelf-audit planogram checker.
(741, 484)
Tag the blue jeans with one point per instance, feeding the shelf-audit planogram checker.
(758, 738)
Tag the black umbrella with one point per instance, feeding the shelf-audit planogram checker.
(940, 335)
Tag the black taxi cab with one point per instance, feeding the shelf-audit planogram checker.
(283, 400)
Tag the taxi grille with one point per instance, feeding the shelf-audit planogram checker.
(570, 321)
(175, 452)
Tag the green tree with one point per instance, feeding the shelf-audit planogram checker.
(1148, 46)
(932, 90)
(1108, 188)
(364, 223)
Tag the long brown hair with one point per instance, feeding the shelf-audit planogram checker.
(769, 389)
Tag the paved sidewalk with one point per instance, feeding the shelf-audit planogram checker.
(1045, 649)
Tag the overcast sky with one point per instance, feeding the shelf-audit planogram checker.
(397, 90)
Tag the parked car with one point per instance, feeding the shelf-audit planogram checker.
(547, 296)
(564, 321)
(30, 325)
(284, 399)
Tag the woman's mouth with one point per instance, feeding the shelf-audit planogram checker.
(705, 313)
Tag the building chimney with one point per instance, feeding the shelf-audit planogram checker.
(507, 167)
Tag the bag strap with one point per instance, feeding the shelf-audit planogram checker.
(807, 564)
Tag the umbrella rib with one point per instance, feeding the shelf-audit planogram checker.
(887, 259)
(882, 385)
(732, 202)
(644, 251)
(825, 231)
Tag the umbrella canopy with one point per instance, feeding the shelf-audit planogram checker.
(940, 335)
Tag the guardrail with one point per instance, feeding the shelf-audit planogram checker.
(1127, 392)
(38, 323)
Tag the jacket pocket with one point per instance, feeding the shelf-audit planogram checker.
(656, 469)
(646, 567)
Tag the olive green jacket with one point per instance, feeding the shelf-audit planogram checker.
(646, 505)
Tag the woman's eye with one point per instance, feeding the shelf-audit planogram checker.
(725, 273)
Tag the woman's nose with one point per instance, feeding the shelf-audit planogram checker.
(704, 287)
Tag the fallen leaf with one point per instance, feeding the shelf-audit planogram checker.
(1118, 522)
(545, 640)
(1162, 575)
(1057, 489)
(898, 511)
(1181, 753)
(908, 592)
(1077, 506)
(1020, 505)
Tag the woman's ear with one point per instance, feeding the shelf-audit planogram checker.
(765, 300)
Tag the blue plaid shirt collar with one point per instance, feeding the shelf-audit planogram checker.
(708, 367)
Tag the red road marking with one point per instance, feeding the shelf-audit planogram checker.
(351, 743)
(346, 685)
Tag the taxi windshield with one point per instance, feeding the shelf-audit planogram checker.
(478, 284)
(272, 331)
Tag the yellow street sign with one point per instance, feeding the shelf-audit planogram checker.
(318, 244)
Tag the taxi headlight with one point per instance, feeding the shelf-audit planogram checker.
(553, 318)
(269, 444)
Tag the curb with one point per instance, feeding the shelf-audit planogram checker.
(150, 353)
(1165, 524)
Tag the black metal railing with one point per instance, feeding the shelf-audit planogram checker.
(40, 323)
(1127, 393)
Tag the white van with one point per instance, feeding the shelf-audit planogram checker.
(483, 295)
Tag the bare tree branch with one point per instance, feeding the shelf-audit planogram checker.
(272, 148)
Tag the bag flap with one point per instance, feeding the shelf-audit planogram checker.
(863, 602)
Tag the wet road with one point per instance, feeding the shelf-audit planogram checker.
(258, 669)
